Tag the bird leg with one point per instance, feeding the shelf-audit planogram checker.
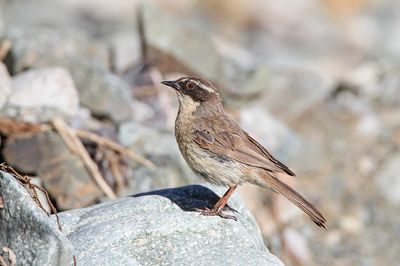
(219, 206)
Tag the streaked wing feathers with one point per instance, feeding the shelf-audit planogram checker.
(242, 149)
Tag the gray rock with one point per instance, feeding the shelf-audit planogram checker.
(161, 148)
(43, 47)
(388, 180)
(203, 54)
(270, 131)
(104, 93)
(5, 84)
(1, 17)
(168, 33)
(62, 172)
(158, 228)
(126, 50)
(47, 88)
(236, 63)
(288, 146)
(259, 81)
(289, 91)
(42, 13)
(388, 87)
(365, 78)
(93, 17)
(26, 229)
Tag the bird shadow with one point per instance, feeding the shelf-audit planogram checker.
(188, 198)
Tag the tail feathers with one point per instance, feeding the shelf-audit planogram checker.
(298, 200)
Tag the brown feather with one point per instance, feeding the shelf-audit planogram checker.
(296, 199)
(269, 156)
(245, 150)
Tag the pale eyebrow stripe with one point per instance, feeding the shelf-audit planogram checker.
(204, 87)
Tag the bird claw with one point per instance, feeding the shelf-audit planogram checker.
(213, 212)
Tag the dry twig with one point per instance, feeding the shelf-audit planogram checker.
(5, 47)
(11, 127)
(2, 262)
(11, 256)
(141, 31)
(115, 168)
(76, 146)
(114, 146)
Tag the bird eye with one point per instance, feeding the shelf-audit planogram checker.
(190, 85)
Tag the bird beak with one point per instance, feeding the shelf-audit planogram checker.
(173, 83)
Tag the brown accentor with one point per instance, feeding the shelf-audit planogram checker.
(221, 152)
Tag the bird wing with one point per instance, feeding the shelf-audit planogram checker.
(241, 148)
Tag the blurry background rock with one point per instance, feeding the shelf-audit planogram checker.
(34, 91)
(317, 82)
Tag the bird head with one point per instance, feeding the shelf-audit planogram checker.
(194, 91)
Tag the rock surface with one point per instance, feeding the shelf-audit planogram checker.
(271, 132)
(104, 93)
(168, 33)
(388, 180)
(43, 89)
(290, 91)
(125, 48)
(1, 17)
(157, 228)
(26, 229)
(42, 47)
(62, 172)
(54, 87)
(160, 147)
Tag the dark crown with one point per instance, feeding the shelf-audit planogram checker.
(198, 89)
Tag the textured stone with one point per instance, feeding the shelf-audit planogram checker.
(26, 229)
(104, 93)
(290, 147)
(158, 228)
(43, 47)
(1, 17)
(161, 148)
(4, 84)
(63, 173)
(271, 132)
(388, 87)
(125, 50)
(388, 179)
(51, 88)
(168, 33)
(290, 91)
(42, 13)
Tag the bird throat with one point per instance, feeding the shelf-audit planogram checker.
(187, 106)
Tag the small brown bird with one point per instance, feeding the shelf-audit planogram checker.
(221, 152)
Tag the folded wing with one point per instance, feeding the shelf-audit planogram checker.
(243, 149)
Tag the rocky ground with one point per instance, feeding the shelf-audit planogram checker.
(153, 228)
(316, 82)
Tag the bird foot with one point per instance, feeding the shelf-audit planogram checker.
(214, 212)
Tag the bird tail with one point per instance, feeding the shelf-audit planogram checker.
(298, 200)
